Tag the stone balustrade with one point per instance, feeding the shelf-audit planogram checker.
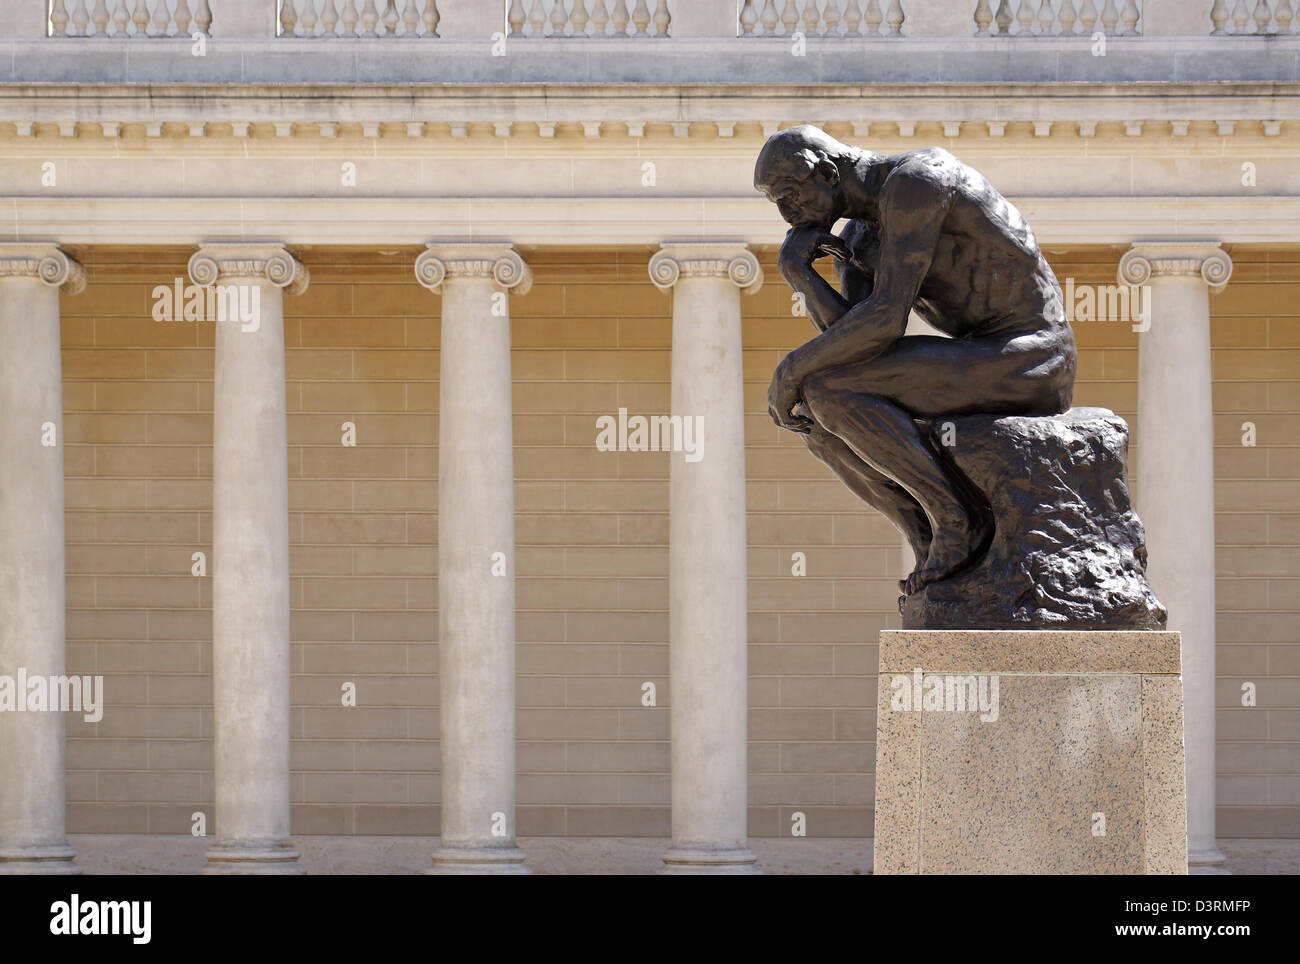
(719, 20)
(309, 19)
(589, 18)
(1258, 18)
(834, 18)
(1062, 18)
(128, 18)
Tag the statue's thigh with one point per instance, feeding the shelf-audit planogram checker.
(930, 377)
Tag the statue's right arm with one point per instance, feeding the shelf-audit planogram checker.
(915, 204)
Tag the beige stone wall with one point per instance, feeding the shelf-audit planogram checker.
(591, 337)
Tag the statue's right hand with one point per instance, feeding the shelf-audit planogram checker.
(804, 245)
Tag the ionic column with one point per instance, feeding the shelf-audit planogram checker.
(707, 565)
(33, 838)
(476, 555)
(250, 549)
(1175, 482)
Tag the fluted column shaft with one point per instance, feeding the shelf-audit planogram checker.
(476, 555)
(33, 835)
(708, 636)
(250, 564)
(1175, 489)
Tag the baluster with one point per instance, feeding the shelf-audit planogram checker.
(621, 18)
(748, 18)
(537, 19)
(1262, 16)
(1046, 17)
(770, 19)
(789, 18)
(140, 17)
(559, 17)
(1067, 17)
(812, 18)
(203, 17)
(1087, 17)
(600, 20)
(641, 18)
(410, 19)
(579, 18)
(58, 19)
(121, 18)
(832, 17)
(873, 18)
(852, 19)
(662, 18)
(1284, 16)
(182, 17)
(1109, 17)
(369, 20)
(1004, 19)
(1130, 16)
(100, 18)
(983, 17)
(1218, 16)
(432, 17)
(161, 17)
(308, 19)
(517, 18)
(391, 20)
(80, 19)
(349, 18)
(288, 17)
(895, 18)
(329, 19)
(1025, 18)
(1240, 16)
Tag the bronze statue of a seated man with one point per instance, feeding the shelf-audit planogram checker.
(927, 234)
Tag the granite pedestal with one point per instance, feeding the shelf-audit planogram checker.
(1035, 752)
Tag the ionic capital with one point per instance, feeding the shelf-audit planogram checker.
(45, 262)
(271, 263)
(500, 262)
(1164, 259)
(715, 259)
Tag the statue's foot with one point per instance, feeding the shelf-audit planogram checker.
(952, 549)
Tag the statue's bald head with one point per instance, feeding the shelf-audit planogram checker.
(795, 152)
(799, 170)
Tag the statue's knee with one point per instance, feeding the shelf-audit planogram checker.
(822, 396)
(819, 442)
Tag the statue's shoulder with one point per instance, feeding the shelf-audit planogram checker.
(932, 156)
(931, 166)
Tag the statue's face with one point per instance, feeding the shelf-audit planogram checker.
(808, 202)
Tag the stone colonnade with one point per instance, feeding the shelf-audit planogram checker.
(477, 545)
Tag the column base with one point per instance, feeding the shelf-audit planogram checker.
(270, 860)
(691, 861)
(473, 861)
(1207, 861)
(38, 860)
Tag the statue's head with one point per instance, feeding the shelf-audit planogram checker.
(799, 171)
